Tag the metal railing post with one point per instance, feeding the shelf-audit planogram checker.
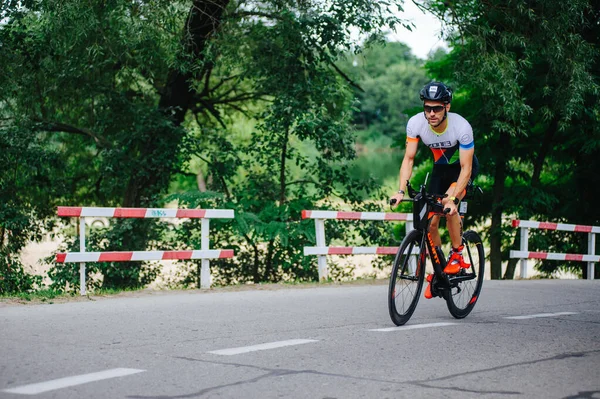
(591, 251)
(322, 259)
(205, 245)
(82, 287)
(524, 247)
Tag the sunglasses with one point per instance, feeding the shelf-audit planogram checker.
(435, 108)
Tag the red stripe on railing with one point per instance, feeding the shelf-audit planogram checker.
(69, 211)
(340, 251)
(130, 213)
(349, 215)
(583, 229)
(386, 250)
(548, 225)
(115, 256)
(177, 254)
(305, 214)
(396, 216)
(574, 257)
(60, 258)
(191, 213)
(226, 253)
(538, 255)
(515, 223)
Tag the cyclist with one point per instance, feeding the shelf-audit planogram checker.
(450, 138)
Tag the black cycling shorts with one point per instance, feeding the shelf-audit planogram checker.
(443, 176)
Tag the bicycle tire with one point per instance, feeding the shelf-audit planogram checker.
(406, 280)
(463, 296)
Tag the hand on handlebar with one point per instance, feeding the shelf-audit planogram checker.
(450, 208)
(396, 199)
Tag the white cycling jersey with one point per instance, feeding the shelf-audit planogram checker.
(445, 145)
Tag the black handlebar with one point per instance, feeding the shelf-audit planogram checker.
(433, 199)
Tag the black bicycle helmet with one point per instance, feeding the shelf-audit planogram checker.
(436, 91)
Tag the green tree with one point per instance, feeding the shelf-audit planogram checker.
(117, 89)
(528, 72)
(388, 75)
(28, 168)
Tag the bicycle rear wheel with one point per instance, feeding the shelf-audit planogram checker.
(466, 286)
(406, 280)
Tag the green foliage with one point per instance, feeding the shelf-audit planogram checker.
(389, 76)
(27, 200)
(269, 179)
(528, 82)
(13, 277)
(125, 97)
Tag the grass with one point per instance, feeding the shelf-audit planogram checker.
(45, 295)
(50, 296)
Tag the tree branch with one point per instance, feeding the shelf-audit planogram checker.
(63, 127)
(350, 81)
(221, 178)
(210, 107)
(241, 14)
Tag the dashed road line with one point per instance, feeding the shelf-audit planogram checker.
(413, 327)
(40, 387)
(260, 347)
(535, 316)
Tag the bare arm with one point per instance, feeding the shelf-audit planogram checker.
(408, 163)
(466, 165)
(405, 169)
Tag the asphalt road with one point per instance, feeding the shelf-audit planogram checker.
(325, 342)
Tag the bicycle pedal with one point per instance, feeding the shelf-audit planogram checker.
(435, 291)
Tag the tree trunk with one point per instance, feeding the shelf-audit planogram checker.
(269, 260)
(176, 99)
(498, 207)
(255, 274)
(282, 182)
(509, 274)
(201, 182)
(538, 164)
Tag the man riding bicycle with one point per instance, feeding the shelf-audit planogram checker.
(450, 138)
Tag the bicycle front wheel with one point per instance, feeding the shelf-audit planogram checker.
(466, 286)
(406, 280)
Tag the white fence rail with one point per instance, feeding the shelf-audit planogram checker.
(322, 250)
(523, 253)
(127, 256)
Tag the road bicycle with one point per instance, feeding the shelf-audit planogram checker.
(460, 291)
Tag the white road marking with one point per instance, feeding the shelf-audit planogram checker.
(40, 387)
(260, 347)
(535, 316)
(413, 327)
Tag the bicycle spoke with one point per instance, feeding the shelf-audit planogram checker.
(465, 288)
(406, 280)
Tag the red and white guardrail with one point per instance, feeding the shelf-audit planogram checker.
(321, 250)
(356, 215)
(124, 256)
(73, 211)
(523, 253)
(205, 253)
(531, 224)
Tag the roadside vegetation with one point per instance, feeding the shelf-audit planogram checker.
(272, 107)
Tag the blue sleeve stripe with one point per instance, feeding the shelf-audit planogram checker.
(467, 146)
